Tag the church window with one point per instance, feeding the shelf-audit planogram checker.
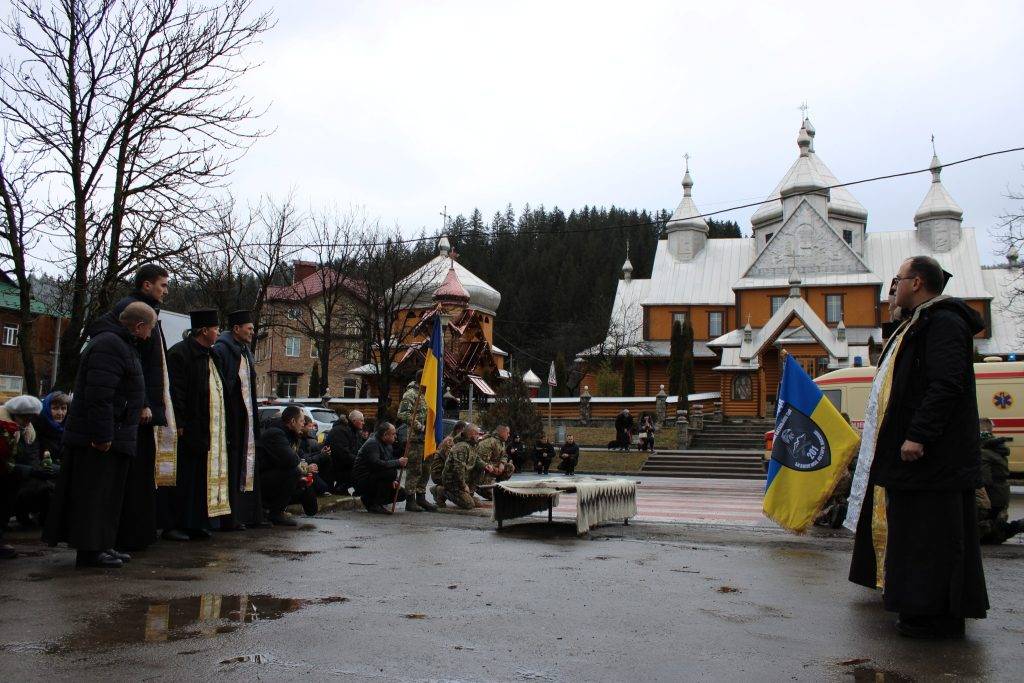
(678, 318)
(777, 302)
(742, 389)
(833, 308)
(768, 237)
(291, 347)
(848, 236)
(715, 324)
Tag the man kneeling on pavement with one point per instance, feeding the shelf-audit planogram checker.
(463, 470)
(283, 474)
(376, 470)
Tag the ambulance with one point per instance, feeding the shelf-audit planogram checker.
(1000, 387)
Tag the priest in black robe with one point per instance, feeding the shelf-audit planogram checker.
(926, 461)
(138, 526)
(238, 368)
(197, 393)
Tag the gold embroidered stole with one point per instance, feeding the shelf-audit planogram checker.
(166, 472)
(250, 434)
(217, 502)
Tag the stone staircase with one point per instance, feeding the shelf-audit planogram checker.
(732, 436)
(731, 450)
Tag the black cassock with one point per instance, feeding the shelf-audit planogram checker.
(246, 506)
(188, 367)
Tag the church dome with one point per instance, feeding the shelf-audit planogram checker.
(417, 289)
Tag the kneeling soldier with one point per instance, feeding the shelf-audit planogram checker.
(462, 467)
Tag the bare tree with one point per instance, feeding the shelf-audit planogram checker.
(393, 288)
(134, 108)
(212, 272)
(324, 306)
(17, 176)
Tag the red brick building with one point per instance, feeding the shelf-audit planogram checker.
(12, 374)
(292, 338)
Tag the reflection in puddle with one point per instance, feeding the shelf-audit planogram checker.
(154, 621)
(869, 674)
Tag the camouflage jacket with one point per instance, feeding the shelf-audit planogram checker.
(462, 461)
(492, 450)
(405, 408)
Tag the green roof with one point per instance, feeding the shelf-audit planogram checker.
(10, 299)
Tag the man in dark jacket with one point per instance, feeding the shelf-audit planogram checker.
(238, 369)
(138, 526)
(569, 456)
(926, 457)
(624, 429)
(277, 451)
(197, 393)
(375, 471)
(543, 454)
(100, 439)
(345, 439)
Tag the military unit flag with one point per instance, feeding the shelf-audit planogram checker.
(433, 382)
(813, 446)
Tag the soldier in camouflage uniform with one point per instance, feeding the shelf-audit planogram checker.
(492, 451)
(437, 463)
(993, 497)
(418, 471)
(463, 466)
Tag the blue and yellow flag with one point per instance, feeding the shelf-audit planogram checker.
(813, 446)
(433, 382)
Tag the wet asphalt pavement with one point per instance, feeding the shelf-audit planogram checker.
(445, 597)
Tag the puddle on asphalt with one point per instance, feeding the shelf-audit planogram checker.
(290, 554)
(868, 674)
(146, 620)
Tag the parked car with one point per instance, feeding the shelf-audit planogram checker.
(324, 418)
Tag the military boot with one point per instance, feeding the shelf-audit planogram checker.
(438, 493)
(411, 506)
(421, 500)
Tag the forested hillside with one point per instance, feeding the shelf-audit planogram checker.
(556, 272)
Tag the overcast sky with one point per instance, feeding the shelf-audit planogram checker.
(404, 107)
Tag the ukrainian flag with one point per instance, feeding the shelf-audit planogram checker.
(433, 382)
(813, 447)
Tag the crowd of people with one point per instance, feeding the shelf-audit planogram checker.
(157, 442)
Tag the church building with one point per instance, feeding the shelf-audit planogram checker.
(811, 280)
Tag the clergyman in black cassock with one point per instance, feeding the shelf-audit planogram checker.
(239, 372)
(197, 393)
(926, 460)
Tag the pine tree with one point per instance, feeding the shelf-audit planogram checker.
(686, 379)
(675, 359)
(513, 407)
(628, 375)
(314, 381)
(562, 388)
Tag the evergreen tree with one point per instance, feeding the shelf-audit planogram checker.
(513, 407)
(718, 229)
(628, 375)
(686, 379)
(675, 359)
(562, 388)
(314, 381)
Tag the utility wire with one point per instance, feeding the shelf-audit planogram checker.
(707, 214)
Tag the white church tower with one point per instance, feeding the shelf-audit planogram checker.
(687, 231)
(938, 220)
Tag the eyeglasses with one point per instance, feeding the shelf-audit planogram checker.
(896, 281)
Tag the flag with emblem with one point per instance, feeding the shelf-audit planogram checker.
(813, 446)
(552, 379)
